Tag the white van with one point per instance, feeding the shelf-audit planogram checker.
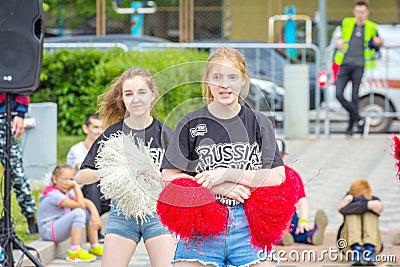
(380, 88)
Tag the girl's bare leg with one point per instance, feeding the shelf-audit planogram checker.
(118, 250)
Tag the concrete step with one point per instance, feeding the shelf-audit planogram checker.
(44, 251)
(47, 251)
(326, 254)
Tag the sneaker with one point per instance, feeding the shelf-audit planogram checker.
(96, 251)
(349, 131)
(369, 255)
(32, 226)
(321, 221)
(287, 239)
(363, 126)
(357, 255)
(80, 256)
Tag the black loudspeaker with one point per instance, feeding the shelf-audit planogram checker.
(21, 45)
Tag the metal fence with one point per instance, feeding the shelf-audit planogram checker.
(207, 15)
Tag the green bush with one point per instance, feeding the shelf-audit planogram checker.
(75, 78)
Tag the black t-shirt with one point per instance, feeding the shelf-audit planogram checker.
(156, 135)
(203, 142)
(355, 53)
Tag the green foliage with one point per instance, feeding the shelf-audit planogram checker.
(75, 78)
(72, 14)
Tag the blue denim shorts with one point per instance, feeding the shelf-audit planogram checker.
(231, 248)
(132, 229)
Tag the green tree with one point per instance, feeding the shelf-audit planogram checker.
(73, 14)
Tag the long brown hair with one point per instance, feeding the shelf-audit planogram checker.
(238, 61)
(111, 105)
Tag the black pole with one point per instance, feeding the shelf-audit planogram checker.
(10, 236)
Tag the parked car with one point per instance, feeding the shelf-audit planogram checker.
(380, 88)
(266, 94)
(267, 97)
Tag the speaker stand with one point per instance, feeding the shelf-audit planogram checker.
(9, 238)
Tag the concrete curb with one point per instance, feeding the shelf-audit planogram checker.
(44, 251)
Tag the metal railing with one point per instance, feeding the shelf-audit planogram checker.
(52, 46)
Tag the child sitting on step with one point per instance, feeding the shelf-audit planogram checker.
(64, 212)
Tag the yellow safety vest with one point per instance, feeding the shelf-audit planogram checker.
(369, 32)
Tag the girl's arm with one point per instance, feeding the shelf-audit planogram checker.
(233, 191)
(303, 210)
(345, 201)
(78, 202)
(249, 178)
(375, 206)
(95, 220)
(229, 189)
(87, 176)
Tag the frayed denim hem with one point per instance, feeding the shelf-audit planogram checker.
(271, 257)
(248, 264)
(197, 260)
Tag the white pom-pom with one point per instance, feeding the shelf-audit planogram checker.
(128, 175)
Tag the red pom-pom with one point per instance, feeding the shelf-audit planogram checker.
(189, 209)
(270, 209)
(396, 154)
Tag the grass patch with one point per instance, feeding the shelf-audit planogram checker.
(64, 143)
(18, 221)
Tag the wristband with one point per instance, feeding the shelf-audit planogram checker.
(303, 220)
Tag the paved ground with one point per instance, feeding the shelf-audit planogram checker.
(328, 167)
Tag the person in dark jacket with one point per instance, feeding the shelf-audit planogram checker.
(355, 52)
(360, 229)
(19, 182)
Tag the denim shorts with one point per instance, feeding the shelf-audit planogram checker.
(231, 248)
(132, 229)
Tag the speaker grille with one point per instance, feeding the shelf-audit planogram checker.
(21, 45)
(17, 60)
